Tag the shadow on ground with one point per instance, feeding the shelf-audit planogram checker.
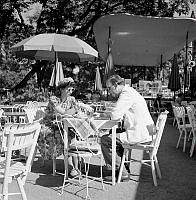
(178, 177)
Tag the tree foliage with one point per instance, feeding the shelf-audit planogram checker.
(71, 17)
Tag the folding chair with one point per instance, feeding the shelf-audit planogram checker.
(192, 119)
(183, 127)
(174, 114)
(151, 149)
(85, 146)
(30, 109)
(16, 138)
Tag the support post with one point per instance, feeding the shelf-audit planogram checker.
(161, 67)
(185, 63)
(109, 38)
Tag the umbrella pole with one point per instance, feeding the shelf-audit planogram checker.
(185, 63)
(161, 66)
(109, 37)
(55, 71)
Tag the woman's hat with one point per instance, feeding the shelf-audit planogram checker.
(66, 82)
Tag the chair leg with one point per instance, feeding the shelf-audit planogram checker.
(185, 136)
(192, 146)
(153, 172)
(129, 159)
(189, 136)
(174, 121)
(20, 184)
(86, 175)
(157, 167)
(101, 171)
(5, 189)
(121, 166)
(179, 139)
(65, 178)
(54, 166)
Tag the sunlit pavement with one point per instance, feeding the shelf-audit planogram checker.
(178, 178)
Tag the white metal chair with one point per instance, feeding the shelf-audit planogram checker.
(15, 115)
(151, 148)
(174, 114)
(30, 110)
(192, 119)
(183, 126)
(85, 146)
(16, 138)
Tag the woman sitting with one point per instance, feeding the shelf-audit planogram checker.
(68, 105)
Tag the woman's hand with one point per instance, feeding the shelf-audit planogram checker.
(54, 100)
(86, 107)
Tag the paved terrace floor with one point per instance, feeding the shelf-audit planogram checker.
(178, 178)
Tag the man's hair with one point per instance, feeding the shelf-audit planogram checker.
(115, 80)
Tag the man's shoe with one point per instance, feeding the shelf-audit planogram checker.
(74, 173)
(125, 177)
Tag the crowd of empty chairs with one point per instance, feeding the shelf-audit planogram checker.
(185, 121)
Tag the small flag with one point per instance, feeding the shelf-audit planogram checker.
(109, 68)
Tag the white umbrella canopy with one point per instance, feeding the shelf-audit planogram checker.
(141, 40)
(50, 46)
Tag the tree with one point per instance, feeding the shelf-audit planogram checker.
(71, 17)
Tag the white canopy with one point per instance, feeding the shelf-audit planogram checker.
(141, 40)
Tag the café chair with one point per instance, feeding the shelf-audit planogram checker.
(15, 114)
(85, 146)
(174, 123)
(16, 138)
(2, 115)
(192, 120)
(183, 125)
(150, 148)
(30, 109)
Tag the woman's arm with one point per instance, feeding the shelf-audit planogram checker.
(59, 109)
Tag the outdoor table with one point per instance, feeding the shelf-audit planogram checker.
(100, 125)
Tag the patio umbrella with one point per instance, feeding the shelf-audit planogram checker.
(142, 40)
(174, 79)
(98, 84)
(56, 48)
(59, 75)
(50, 46)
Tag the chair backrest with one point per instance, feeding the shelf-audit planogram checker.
(83, 127)
(86, 134)
(14, 114)
(191, 115)
(179, 114)
(160, 124)
(16, 137)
